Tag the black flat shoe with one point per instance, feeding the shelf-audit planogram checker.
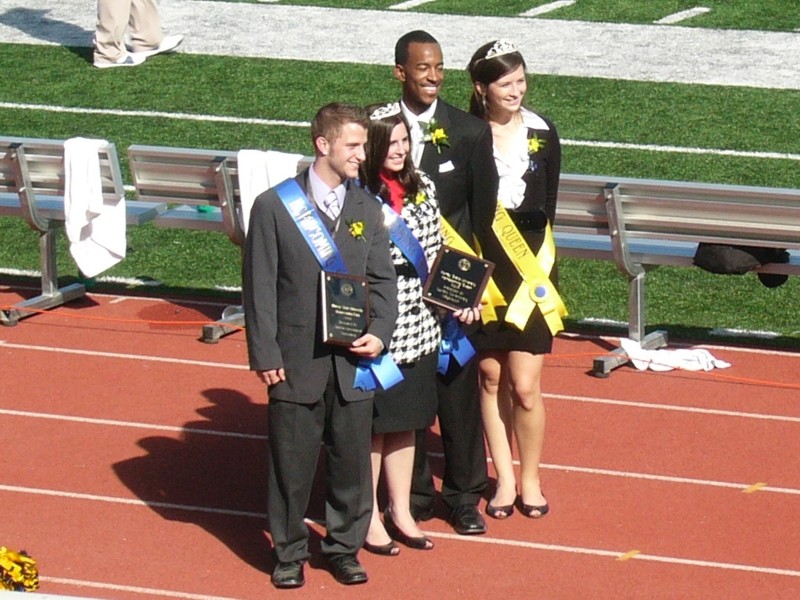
(288, 575)
(417, 543)
(390, 549)
(467, 520)
(534, 512)
(347, 570)
(499, 512)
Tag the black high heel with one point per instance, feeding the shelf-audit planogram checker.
(499, 512)
(417, 543)
(534, 512)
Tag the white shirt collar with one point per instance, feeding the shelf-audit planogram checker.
(533, 121)
(319, 190)
(414, 119)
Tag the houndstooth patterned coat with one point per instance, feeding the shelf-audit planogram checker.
(417, 331)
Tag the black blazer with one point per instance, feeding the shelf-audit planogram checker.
(464, 172)
(281, 294)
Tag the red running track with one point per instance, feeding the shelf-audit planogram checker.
(134, 461)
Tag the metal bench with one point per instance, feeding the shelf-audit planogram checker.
(637, 224)
(201, 189)
(32, 188)
(645, 223)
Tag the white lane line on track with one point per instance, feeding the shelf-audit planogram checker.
(615, 555)
(130, 501)
(689, 409)
(131, 424)
(435, 534)
(587, 399)
(669, 479)
(138, 357)
(278, 122)
(134, 589)
(251, 436)
(739, 349)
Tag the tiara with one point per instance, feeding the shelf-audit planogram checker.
(499, 48)
(387, 110)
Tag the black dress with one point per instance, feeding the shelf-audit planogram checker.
(411, 404)
(538, 207)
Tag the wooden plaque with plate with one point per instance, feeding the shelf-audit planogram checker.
(457, 279)
(345, 307)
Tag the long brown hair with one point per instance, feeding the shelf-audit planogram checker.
(379, 134)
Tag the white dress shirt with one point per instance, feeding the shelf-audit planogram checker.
(417, 133)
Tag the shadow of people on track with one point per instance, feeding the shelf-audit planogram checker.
(37, 24)
(214, 475)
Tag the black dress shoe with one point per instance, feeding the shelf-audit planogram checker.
(347, 570)
(467, 520)
(422, 513)
(288, 574)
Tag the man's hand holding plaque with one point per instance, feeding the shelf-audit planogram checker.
(457, 280)
(344, 306)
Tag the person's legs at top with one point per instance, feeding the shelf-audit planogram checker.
(525, 375)
(497, 416)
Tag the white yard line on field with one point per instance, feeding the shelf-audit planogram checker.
(285, 123)
(763, 59)
(683, 15)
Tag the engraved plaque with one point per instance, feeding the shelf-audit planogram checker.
(344, 306)
(457, 279)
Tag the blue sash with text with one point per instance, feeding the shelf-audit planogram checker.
(370, 372)
(404, 239)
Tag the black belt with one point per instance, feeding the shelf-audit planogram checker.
(532, 220)
(406, 270)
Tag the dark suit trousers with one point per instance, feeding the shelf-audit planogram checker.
(461, 428)
(295, 434)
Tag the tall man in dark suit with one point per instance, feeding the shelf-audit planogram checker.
(455, 150)
(312, 398)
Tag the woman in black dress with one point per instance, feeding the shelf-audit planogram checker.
(410, 405)
(511, 349)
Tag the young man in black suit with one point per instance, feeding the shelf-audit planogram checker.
(313, 398)
(455, 150)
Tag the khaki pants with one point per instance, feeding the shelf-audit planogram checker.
(140, 17)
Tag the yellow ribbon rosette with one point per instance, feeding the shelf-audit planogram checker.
(536, 288)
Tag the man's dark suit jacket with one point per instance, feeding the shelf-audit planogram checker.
(281, 294)
(464, 172)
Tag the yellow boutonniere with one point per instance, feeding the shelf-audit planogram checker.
(18, 571)
(356, 229)
(436, 135)
(420, 197)
(535, 144)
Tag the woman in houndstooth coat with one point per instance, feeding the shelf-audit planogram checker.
(410, 405)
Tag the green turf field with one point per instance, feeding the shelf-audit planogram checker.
(767, 15)
(699, 122)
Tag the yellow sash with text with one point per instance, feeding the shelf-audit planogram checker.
(491, 296)
(536, 288)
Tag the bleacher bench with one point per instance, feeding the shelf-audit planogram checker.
(644, 223)
(32, 187)
(635, 223)
(201, 190)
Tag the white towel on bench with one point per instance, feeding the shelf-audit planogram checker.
(95, 226)
(686, 359)
(259, 171)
